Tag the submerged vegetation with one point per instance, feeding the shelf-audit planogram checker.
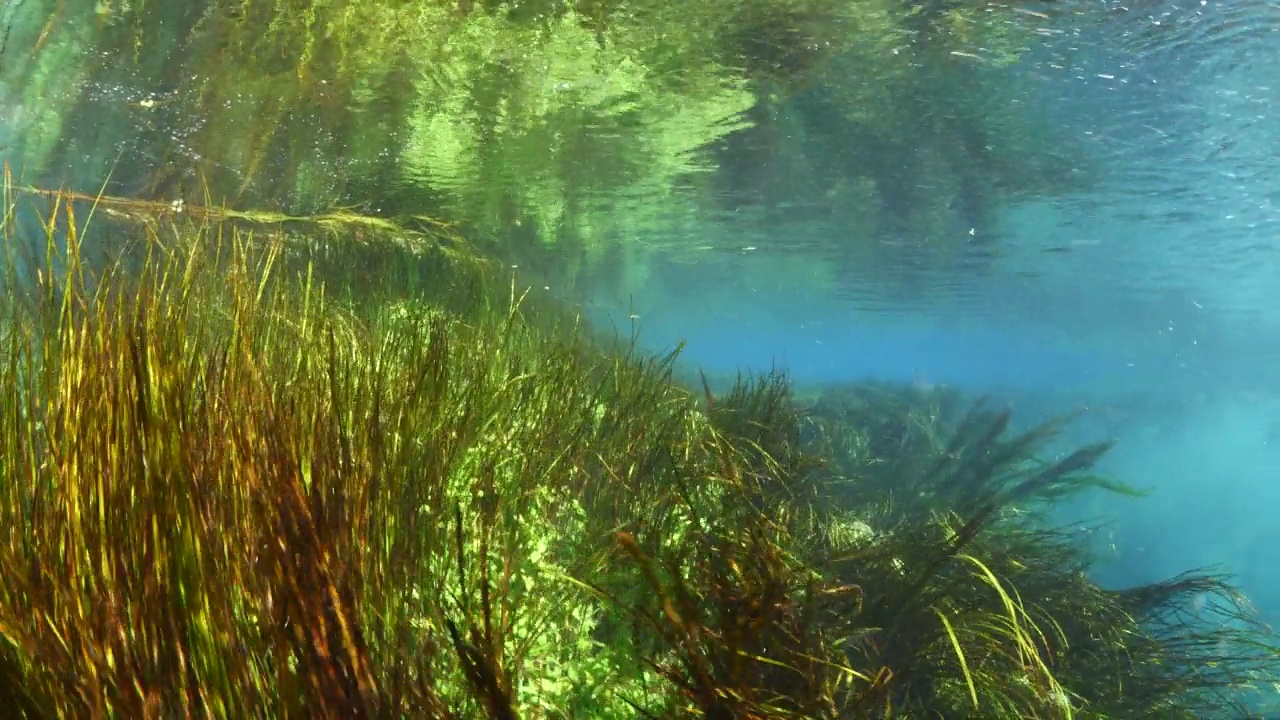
(332, 459)
(234, 483)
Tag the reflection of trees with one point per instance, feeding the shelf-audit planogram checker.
(581, 121)
(904, 147)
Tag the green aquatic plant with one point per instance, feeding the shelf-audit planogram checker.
(255, 501)
(238, 482)
(955, 512)
(231, 495)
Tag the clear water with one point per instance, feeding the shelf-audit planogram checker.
(1141, 285)
(1152, 300)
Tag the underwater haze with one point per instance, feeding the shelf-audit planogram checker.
(1148, 300)
(1067, 208)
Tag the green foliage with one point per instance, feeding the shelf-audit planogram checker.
(950, 508)
(237, 485)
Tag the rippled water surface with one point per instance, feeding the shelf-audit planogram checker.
(1176, 106)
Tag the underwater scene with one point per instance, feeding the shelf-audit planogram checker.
(635, 359)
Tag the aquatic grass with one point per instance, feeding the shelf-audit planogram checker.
(128, 511)
(1055, 644)
(764, 626)
(168, 537)
(236, 481)
(227, 495)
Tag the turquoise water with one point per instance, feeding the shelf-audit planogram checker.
(1140, 285)
(1152, 301)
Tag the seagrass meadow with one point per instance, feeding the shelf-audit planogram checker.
(235, 481)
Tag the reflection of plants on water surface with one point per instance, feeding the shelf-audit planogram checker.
(584, 122)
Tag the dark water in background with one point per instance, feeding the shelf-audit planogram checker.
(1152, 302)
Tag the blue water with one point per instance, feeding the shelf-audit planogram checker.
(1152, 303)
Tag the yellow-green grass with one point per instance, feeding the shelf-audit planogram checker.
(235, 482)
